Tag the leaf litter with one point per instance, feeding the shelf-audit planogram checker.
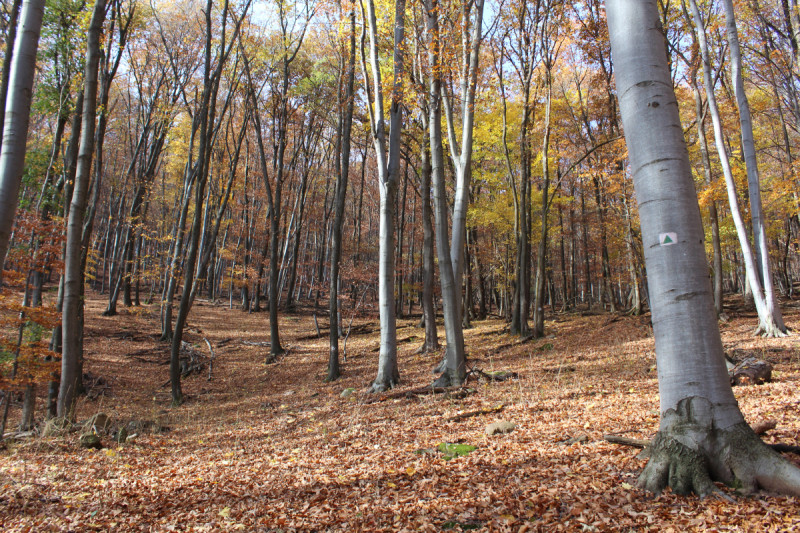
(274, 448)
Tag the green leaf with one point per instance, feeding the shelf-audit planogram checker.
(451, 450)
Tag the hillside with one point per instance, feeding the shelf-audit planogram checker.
(274, 448)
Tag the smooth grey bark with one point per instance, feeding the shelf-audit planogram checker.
(71, 326)
(454, 364)
(768, 325)
(461, 152)
(17, 118)
(343, 171)
(760, 248)
(701, 112)
(702, 434)
(388, 174)
(8, 60)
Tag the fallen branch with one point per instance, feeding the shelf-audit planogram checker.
(785, 448)
(638, 443)
(452, 392)
(626, 441)
(210, 359)
(478, 412)
(500, 375)
(559, 369)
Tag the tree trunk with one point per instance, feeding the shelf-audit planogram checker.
(343, 171)
(454, 364)
(17, 118)
(768, 324)
(388, 175)
(702, 435)
(760, 248)
(73, 273)
(541, 256)
(431, 343)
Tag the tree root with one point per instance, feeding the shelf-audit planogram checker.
(383, 384)
(690, 452)
(449, 392)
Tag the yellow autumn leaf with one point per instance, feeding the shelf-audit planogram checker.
(411, 470)
(391, 485)
(225, 513)
(627, 486)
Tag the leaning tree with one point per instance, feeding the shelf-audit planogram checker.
(702, 435)
(17, 116)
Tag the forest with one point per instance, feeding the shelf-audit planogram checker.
(424, 265)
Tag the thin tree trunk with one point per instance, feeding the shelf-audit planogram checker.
(388, 173)
(767, 323)
(70, 322)
(343, 171)
(760, 248)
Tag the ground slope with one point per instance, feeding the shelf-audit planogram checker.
(273, 448)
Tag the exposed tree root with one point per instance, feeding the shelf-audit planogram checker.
(690, 452)
(770, 329)
(449, 392)
(384, 383)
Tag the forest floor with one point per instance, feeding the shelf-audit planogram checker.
(274, 448)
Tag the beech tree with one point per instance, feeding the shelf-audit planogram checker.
(388, 177)
(702, 435)
(16, 117)
(344, 129)
(770, 320)
(71, 327)
(441, 98)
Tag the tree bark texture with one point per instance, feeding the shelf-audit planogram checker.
(17, 118)
(702, 435)
(71, 326)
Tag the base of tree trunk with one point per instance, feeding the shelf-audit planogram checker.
(274, 356)
(770, 329)
(384, 383)
(448, 379)
(334, 373)
(690, 452)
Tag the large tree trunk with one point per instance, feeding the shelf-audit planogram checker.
(454, 364)
(17, 117)
(388, 173)
(73, 273)
(702, 435)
